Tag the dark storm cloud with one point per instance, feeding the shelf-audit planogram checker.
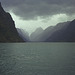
(31, 9)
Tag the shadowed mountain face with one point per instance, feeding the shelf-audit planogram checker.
(64, 34)
(50, 30)
(8, 32)
(23, 34)
(36, 34)
(47, 33)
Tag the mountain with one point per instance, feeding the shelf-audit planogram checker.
(45, 34)
(35, 35)
(23, 34)
(50, 30)
(8, 32)
(66, 34)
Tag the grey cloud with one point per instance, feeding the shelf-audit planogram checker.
(31, 9)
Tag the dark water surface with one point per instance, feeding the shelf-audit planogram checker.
(37, 59)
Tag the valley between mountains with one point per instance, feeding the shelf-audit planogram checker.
(62, 32)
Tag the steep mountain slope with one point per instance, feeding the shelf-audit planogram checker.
(64, 34)
(8, 32)
(23, 34)
(50, 30)
(45, 34)
(36, 34)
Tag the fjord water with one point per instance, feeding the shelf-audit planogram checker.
(37, 59)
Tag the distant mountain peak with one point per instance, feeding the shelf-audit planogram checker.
(39, 28)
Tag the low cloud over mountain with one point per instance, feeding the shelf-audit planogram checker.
(31, 9)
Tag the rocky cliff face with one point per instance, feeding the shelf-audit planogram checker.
(8, 32)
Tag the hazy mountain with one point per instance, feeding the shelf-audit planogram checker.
(23, 34)
(62, 32)
(50, 30)
(35, 35)
(66, 34)
(8, 32)
(45, 34)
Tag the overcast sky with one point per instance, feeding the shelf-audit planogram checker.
(30, 14)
